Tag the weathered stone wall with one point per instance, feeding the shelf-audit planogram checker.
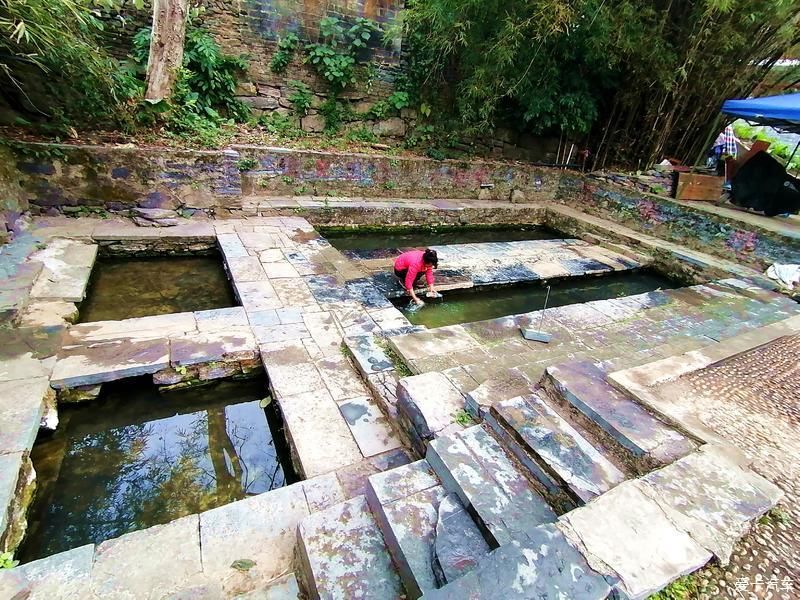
(668, 220)
(12, 201)
(81, 179)
(253, 27)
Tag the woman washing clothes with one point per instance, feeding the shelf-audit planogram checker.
(409, 268)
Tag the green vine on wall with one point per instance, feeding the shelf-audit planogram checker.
(339, 49)
(283, 55)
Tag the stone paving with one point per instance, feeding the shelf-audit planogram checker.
(750, 400)
(498, 263)
(492, 504)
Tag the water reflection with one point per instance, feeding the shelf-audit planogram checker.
(158, 285)
(108, 470)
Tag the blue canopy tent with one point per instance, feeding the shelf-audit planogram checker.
(780, 112)
(762, 183)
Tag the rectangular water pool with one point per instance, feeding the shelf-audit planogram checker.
(480, 304)
(136, 458)
(123, 288)
(421, 237)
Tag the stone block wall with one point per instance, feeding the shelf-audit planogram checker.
(687, 226)
(81, 179)
(12, 201)
(253, 27)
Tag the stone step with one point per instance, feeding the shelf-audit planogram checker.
(555, 452)
(647, 441)
(543, 564)
(473, 465)
(405, 503)
(343, 554)
(427, 407)
(429, 534)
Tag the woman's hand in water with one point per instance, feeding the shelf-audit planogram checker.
(418, 302)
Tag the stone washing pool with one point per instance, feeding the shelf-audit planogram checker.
(479, 304)
(137, 458)
(123, 288)
(370, 239)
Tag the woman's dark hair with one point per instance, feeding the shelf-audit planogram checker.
(429, 257)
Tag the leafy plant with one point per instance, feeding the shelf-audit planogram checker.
(389, 185)
(339, 48)
(283, 55)
(399, 100)
(776, 515)
(685, 588)
(463, 418)
(301, 98)
(246, 164)
(281, 125)
(7, 561)
(334, 113)
(361, 134)
(204, 100)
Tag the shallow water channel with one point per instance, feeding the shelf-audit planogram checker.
(377, 240)
(136, 458)
(479, 304)
(122, 288)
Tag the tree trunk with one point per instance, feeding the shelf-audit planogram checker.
(166, 47)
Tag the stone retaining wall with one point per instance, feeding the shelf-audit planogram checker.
(12, 201)
(81, 179)
(685, 225)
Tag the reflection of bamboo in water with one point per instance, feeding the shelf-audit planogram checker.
(218, 444)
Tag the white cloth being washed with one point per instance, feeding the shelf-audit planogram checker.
(786, 275)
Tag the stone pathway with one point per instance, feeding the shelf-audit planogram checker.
(750, 400)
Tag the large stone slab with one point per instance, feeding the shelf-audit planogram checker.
(109, 361)
(138, 328)
(233, 344)
(429, 403)
(318, 434)
(505, 385)
(67, 267)
(459, 545)
(245, 268)
(257, 295)
(344, 556)
(63, 576)
(626, 535)
(371, 429)
(369, 356)
(21, 408)
(282, 588)
(261, 529)
(557, 448)
(150, 563)
(220, 319)
(709, 495)
(472, 464)
(442, 340)
(405, 502)
(341, 378)
(584, 386)
(542, 565)
(324, 331)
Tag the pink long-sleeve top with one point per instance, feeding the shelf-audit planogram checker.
(412, 260)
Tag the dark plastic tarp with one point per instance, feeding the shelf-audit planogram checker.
(781, 112)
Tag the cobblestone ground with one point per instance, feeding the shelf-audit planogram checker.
(753, 400)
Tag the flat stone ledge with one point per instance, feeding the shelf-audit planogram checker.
(542, 564)
(627, 537)
(261, 529)
(63, 576)
(710, 496)
(150, 563)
